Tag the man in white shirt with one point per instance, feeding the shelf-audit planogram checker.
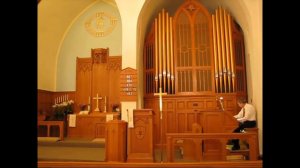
(246, 118)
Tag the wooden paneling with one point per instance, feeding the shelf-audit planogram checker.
(180, 112)
(44, 104)
(90, 126)
(83, 82)
(46, 100)
(45, 111)
(102, 78)
(114, 67)
(181, 122)
(100, 85)
(170, 122)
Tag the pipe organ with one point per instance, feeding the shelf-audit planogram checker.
(223, 52)
(159, 49)
(198, 59)
(194, 54)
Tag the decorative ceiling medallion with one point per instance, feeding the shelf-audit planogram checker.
(100, 24)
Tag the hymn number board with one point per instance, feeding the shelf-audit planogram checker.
(128, 84)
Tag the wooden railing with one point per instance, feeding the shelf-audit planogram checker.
(197, 138)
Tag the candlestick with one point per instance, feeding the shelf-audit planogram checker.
(104, 103)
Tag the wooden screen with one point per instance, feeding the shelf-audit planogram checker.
(83, 82)
(98, 75)
(193, 49)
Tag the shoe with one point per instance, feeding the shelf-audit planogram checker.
(235, 148)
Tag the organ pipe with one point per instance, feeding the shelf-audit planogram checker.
(215, 53)
(164, 52)
(223, 51)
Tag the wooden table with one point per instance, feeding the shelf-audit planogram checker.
(48, 124)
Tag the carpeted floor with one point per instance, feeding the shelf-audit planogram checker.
(71, 150)
(88, 150)
(79, 150)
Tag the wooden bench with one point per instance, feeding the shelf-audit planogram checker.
(245, 152)
(197, 139)
(48, 124)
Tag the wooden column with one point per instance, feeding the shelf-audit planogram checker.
(140, 137)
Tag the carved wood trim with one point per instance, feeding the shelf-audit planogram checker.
(114, 63)
(85, 67)
(100, 55)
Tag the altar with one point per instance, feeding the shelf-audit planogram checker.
(90, 126)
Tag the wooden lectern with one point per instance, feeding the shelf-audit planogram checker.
(140, 138)
(115, 141)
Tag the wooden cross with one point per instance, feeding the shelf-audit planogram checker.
(191, 7)
(160, 94)
(97, 98)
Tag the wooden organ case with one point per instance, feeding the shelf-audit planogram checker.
(198, 59)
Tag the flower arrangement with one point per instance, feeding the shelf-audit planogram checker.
(63, 109)
(115, 107)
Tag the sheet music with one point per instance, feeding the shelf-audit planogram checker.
(72, 120)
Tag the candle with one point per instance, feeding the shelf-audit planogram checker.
(104, 103)
(67, 97)
(89, 100)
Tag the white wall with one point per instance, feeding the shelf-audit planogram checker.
(253, 37)
(129, 11)
(78, 43)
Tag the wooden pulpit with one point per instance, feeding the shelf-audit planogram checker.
(115, 141)
(140, 138)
